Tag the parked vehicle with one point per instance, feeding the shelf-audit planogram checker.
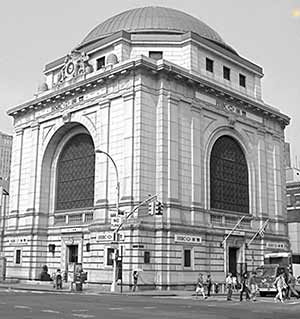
(266, 275)
(274, 264)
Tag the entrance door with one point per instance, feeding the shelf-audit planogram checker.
(71, 260)
(233, 260)
(72, 253)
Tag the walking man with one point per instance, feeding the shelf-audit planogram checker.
(229, 286)
(253, 286)
(291, 286)
(244, 287)
(135, 277)
(208, 284)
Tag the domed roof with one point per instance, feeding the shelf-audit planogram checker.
(153, 19)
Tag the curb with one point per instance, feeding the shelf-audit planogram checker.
(88, 292)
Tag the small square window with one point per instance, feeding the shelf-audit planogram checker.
(147, 257)
(156, 55)
(18, 256)
(209, 65)
(296, 259)
(242, 80)
(100, 63)
(297, 200)
(187, 258)
(109, 256)
(226, 73)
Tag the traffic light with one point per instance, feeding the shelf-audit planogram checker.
(159, 208)
(151, 208)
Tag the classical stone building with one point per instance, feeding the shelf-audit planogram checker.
(293, 210)
(5, 155)
(5, 161)
(181, 113)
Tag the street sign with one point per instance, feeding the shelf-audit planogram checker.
(116, 221)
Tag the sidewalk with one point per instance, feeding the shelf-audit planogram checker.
(43, 286)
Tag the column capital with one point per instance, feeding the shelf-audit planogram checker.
(104, 104)
(173, 98)
(128, 96)
(19, 131)
(35, 126)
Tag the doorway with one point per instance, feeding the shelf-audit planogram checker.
(72, 253)
(233, 260)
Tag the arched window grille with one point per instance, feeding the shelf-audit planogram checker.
(229, 187)
(75, 174)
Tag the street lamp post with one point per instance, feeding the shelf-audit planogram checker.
(114, 280)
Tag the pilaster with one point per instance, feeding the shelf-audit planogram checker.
(128, 142)
(101, 162)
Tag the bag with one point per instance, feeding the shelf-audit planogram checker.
(199, 289)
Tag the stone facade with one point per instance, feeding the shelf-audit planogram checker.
(158, 120)
(293, 210)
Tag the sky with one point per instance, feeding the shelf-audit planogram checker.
(266, 32)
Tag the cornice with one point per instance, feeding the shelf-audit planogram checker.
(83, 85)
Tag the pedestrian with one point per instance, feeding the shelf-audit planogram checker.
(244, 287)
(58, 279)
(280, 285)
(200, 286)
(229, 286)
(135, 277)
(291, 282)
(253, 286)
(234, 283)
(208, 285)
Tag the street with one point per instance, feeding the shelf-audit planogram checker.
(17, 305)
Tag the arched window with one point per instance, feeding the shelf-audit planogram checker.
(75, 174)
(229, 189)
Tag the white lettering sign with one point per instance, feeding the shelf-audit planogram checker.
(278, 245)
(108, 237)
(188, 239)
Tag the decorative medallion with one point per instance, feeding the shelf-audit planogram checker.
(75, 64)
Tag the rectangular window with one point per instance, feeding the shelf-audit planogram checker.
(156, 55)
(242, 80)
(18, 256)
(297, 200)
(147, 257)
(288, 200)
(187, 258)
(209, 65)
(109, 256)
(296, 259)
(100, 63)
(226, 73)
